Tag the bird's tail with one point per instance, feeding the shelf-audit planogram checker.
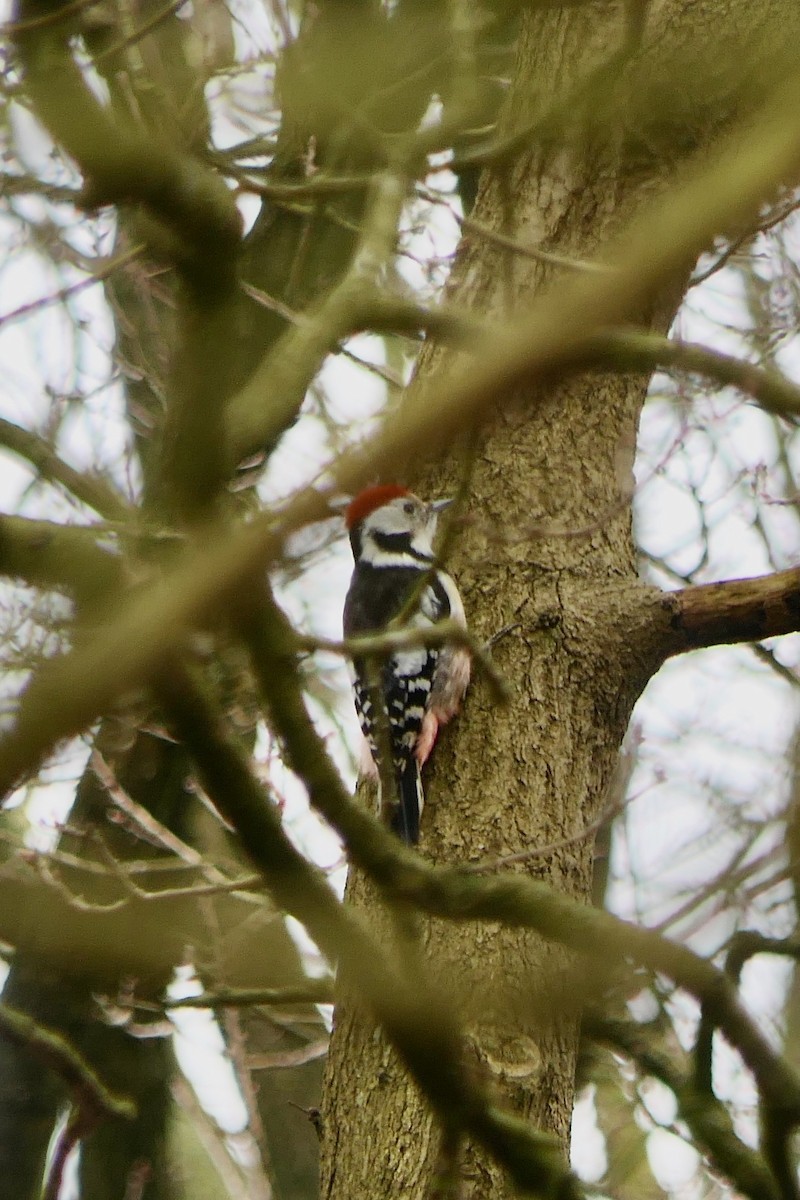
(405, 818)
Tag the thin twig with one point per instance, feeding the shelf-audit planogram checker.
(381, 645)
(496, 864)
(288, 1058)
(141, 31)
(155, 830)
(311, 991)
(523, 249)
(54, 17)
(97, 276)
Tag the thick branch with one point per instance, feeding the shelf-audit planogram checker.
(741, 610)
(89, 489)
(59, 557)
(635, 351)
(92, 1101)
(622, 350)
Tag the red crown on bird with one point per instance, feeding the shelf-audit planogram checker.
(371, 498)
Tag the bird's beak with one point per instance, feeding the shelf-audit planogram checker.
(437, 506)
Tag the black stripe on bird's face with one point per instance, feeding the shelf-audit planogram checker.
(399, 543)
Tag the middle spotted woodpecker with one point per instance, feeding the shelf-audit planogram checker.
(420, 687)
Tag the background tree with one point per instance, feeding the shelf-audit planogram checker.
(602, 163)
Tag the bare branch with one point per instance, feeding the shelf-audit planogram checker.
(91, 490)
(456, 894)
(288, 1058)
(647, 351)
(776, 1123)
(312, 991)
(62, 1058)
(389, 641)
(739, 610)
(290, 366)
(99, 273)
(68, 558)
(524, 249)
(662, 242)
(198, 227)
(60, 14)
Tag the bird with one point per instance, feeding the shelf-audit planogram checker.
(403, 698)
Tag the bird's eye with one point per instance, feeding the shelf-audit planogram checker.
(408, 507)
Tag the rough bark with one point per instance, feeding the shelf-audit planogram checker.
(536, 772)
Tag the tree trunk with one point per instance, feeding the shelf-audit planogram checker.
(548, 551)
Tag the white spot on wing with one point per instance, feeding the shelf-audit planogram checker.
(411, 662)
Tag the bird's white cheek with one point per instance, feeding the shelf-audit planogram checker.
(422, 543)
